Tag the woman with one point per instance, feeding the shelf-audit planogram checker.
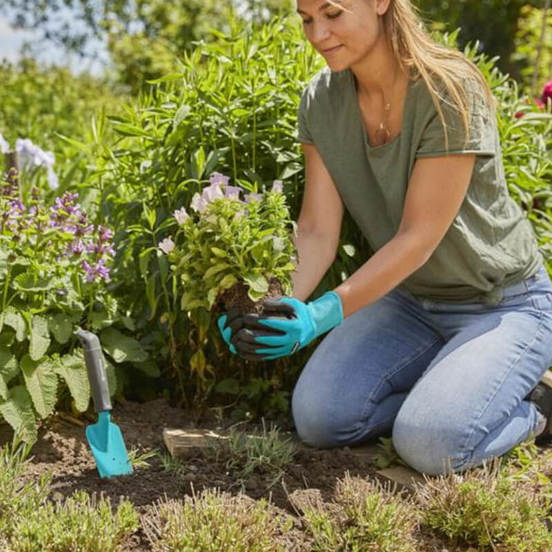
(441, 336)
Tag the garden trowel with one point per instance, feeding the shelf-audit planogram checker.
(104, 437)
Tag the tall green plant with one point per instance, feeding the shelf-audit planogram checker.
(232, 107)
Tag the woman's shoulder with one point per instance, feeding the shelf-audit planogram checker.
(325, 85)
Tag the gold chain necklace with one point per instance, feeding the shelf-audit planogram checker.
(383, 133)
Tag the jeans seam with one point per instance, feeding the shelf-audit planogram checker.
(388, 376)
(468, 454)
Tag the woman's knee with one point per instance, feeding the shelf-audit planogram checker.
(315, 419)
(432, 447)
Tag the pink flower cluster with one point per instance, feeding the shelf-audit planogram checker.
(218, 189)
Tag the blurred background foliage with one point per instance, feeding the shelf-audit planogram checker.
(198, 86)
(143, 37)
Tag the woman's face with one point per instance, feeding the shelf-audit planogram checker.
(343, 37)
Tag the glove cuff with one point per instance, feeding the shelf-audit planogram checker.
(326, 312)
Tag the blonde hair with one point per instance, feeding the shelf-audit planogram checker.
(420, 56)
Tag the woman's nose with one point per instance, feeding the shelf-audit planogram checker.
(319, 33)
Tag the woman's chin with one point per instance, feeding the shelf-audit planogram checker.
(336, 66)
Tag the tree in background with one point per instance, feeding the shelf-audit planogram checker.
(494, 23)
(144, 36)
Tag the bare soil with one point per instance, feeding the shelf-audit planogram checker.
(236, 297)
(62, 450)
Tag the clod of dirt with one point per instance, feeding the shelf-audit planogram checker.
(236, 297)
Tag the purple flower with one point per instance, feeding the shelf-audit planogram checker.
(77, 247)
(278, 186)
(232, 192)
(92, 273)
(218, 179)
(105, 233)
(252, 197)
(167, 245)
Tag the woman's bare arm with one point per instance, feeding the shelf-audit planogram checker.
(318, 226)
(435, 193)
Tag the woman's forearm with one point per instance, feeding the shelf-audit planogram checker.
(315, 254)
(387, 268)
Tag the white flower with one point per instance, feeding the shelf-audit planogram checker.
(31, 154)
(198, 204)
(53, 181)
(4, 146)
(278, 186)
(212, 192)
(181, 216)
(167, 245)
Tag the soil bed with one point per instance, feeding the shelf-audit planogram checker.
(63, 451)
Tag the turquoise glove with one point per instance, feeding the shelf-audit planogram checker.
(303, 322)
(228, 323)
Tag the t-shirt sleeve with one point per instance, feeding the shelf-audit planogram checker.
(303, 134)
(481, 138)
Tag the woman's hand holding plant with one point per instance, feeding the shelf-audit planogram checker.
(286, 326)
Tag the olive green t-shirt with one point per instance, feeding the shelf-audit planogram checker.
(490, 243)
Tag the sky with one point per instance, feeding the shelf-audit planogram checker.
(12, 39)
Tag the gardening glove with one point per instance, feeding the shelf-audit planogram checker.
(303, 322)
(229, 322)
(232, 322)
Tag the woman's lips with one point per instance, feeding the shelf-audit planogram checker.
(331, 50)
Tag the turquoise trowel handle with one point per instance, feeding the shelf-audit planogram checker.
(96, 370)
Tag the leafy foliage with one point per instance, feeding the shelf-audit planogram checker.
(232, 241)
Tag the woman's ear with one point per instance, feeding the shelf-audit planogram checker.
(382, 6)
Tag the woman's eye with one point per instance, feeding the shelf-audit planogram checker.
(334, 15)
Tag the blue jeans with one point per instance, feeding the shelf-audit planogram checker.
(448, 381)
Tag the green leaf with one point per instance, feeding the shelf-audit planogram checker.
(218, 252)
(215, 269)
(122, 348)
(8, 364)
(40, 338)
(148, 367)
(61, 327)
(29, 282)
(257, 282)
(227, 282)
(18, 412)
(3, 388)
(72, 369)
(228, 385)
(41, 381)
(15, 320)
(181, 114)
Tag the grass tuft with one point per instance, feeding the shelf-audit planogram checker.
(214, 522)
(364, 515)
(485, 508)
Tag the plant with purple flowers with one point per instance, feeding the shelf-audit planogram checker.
(230, 250)
(54, 270)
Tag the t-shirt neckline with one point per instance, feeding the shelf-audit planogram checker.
(358, 114)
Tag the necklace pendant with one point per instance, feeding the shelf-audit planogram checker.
(382, 135)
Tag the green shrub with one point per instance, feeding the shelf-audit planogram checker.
(214, 522)
(486, 509)
(364, 515)
(231, 107)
